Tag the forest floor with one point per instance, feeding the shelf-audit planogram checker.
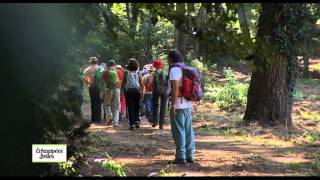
(224, 147)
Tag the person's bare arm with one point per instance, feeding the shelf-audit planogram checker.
(175, 93)
(141, 86)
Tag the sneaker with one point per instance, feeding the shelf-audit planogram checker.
(116, 125)
(190, 160)
(178, 161)
(154, 124)
(137, 125)
(160, 127)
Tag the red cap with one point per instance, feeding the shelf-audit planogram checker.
(158, 64)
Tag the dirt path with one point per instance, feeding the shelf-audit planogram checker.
(147, 150)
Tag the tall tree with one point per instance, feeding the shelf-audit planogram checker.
(280, 28)
(180, 24)
(199, 28)
(243, 20)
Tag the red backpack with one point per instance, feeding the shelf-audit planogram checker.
(192, 85)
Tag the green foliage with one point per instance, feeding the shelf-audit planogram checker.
(167, 171)
(231, 95)
(218, 132)
(296, 23)
(67, 168)
(117, 169)
(298, 95)
(314, 166)
(228, 97)
(309, 82)
(313, 137)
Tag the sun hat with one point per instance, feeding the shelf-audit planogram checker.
(93, 59)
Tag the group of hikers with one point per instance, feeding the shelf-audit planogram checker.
(122, 92)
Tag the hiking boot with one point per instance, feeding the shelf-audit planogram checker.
(154, 124)
(131, 128)
(137, 125)
(178, 161)
(190, 161)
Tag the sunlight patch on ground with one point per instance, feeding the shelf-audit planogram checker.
(262, 141)
(297, 158)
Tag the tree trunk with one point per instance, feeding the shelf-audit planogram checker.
(132, 16)
(269, 102)
(199, 25)
(218, 9)
(243, 21)
(179, 37)
(306, 66)
(148, 28)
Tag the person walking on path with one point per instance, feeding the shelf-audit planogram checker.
(147, 82)
(181, 113)
(159, 93)
(90, 80)
(122, 97)
(111, 81)
(99, 74)
(133, 92)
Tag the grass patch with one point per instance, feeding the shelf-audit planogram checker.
(311, 168)
(314, 97)
(93, 150)
(309, 82)
(168, 171)
(310, 116)
(218, 132)
(103, 139)
(313, 137)
(257, 140)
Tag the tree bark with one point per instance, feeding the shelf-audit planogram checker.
(199, 24)
(269, 102)
(306, 66)
(243, 21)
(148, 28)
(179, 37)
(132, 15)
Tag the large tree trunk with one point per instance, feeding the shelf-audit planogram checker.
(243, 21)
(269, 102)
(179, 38)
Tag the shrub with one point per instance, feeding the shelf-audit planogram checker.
(298, 95)
(231, 95)
(228, 97)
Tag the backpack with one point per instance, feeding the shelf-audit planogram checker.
(133, 82)
(192, 85)
(160, 82)
(90, 79)
(112, 81)
(98, 77)
(149, 85)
